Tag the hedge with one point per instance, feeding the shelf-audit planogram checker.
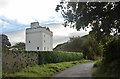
(45, 57)
(56, 57)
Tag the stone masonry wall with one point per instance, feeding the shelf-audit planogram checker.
(14, 61)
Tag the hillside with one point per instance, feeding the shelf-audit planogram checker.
(66, 46)
(85, 44)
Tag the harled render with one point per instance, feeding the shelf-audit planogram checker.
(38, 38)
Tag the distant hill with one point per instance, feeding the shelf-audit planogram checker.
(86, 44)
(70, 44)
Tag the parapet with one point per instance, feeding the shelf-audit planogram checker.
(35, 25)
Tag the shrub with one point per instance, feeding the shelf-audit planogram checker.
(112, 51)
(55, 57)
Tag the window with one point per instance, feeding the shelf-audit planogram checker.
(44, 35)
(29, 41)
(37, 48)
(44, 41)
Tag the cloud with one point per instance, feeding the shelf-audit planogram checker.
(59, 39)
(79, 33)
(9, 25)
(26, 11)
(16, 36)
(60, 34)
(3, 3)
(16, 16)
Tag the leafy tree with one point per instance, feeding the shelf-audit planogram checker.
(102, 17)
(19, 46)
(4, 41)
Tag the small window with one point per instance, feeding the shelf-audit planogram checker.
(29, 41)
(37, 48)
(44, 41)
(44, 35)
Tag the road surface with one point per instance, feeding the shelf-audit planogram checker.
(80, 70)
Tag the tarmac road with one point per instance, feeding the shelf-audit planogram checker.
(80, 70)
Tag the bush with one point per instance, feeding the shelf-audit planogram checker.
(56, 57)
(109, 67)
(112, 51)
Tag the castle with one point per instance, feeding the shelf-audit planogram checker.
(38, 38)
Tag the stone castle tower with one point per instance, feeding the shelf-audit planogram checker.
(38, 38)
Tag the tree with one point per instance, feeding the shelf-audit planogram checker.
(102, 17)
(18, 46)
(86, 44)
(4, 41)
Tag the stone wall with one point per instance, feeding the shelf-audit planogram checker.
(14, 61)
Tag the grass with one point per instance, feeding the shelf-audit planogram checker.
(97, 71)
(100, 70)
(45, 70)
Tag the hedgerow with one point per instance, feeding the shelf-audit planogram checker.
(56, 57)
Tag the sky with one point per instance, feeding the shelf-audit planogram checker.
(16, 16)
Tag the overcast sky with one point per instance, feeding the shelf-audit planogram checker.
(16, 16)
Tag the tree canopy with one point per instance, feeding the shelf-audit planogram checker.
(4, 40)
(20, 46)
(102, 17)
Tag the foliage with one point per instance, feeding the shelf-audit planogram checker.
(87, 44)
(45, 70)
(55, 57)
(103, 18)
(109, 67)
(97, 15)
(4, 41)
(112, 50)
(106, 70)
(20, 46)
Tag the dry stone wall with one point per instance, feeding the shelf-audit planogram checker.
(14, 61)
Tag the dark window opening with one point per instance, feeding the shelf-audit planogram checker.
(29, 41)
(37, 48)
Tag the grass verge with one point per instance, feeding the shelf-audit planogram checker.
(45, 70)
(107, 70)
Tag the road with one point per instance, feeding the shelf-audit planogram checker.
(80, 70)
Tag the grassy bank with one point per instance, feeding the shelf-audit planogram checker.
(106, 70)
(45, 70)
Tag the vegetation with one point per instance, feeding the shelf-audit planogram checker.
(42, 57)
(97, 15)
(103, 18)
(110, 63)
(56, 57)
(20, 46)
(4, 41)
(45, 70)
(89, 46)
